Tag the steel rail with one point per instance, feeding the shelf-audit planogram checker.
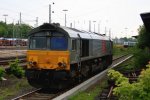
(21, 96)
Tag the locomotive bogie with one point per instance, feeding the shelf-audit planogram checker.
(46, 78)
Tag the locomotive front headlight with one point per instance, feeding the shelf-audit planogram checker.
(59, 64)
(62, 64)
(32, 63)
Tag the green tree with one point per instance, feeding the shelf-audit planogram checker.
(24, 29)
(3, 29)
(10, 30)
(16, 30)
(141, 57)
(19, 31)
(143, 38)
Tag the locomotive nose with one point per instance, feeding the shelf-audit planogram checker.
(58, 60)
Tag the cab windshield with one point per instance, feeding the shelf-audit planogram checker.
(48, 40)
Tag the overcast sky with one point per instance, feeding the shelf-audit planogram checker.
(122, 17)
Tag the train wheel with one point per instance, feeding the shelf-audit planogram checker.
(80, 78)
(85, 71)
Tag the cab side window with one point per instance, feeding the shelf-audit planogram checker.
(74, 44)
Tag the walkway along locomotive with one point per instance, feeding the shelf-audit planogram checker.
(58, 54)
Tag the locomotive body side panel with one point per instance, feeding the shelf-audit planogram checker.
(109, 48)
(97, 48)
(91, 47)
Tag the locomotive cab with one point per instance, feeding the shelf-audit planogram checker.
(48, 40)
(48, 50)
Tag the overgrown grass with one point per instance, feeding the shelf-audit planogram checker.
(126, 66)
(139, 60)
(119, 50)
(90, 93)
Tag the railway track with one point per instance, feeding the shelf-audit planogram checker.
(38, 94)
(11, 58)
(41, 94)
(4, 62)
(13, 47)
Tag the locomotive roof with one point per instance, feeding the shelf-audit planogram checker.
(71, 32)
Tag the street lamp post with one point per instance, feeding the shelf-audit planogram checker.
(5, 15)
(126, 31)
(94, 25)
(50, 13)
(65, 10)
(99, 27)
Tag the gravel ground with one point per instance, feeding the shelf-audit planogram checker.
(13, 87)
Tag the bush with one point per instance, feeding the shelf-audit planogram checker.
(1, 73)
(15, 69)
(139, 90)
(141, 57)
